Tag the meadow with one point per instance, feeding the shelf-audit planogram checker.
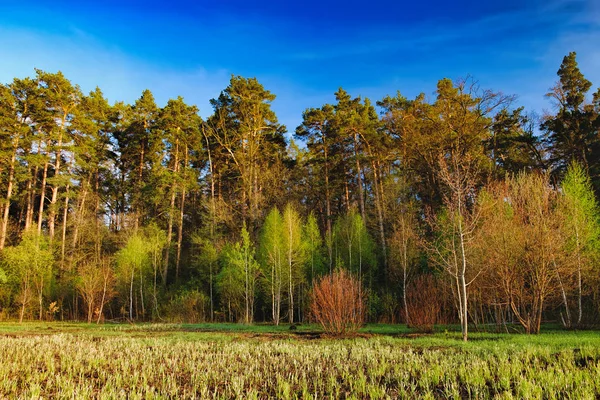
(60, 360)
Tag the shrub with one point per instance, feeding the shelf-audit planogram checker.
(423, 301)
(338, 303)
(188, 306)
(390, 309)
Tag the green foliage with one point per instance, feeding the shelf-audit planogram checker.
(30, 265)
(513, 146)
(581, 209)
(272, 256)
(134, 256)
(354, 248)
(188, 306)
(134, 183)
(206, 256)
(133, 261)
(581, 229)
(250, 141)
(230, 281)
(271, 251)
(31, 258)
(315, 265)
(155, 240)
(571, 134)
(237, 279)
(295, 249)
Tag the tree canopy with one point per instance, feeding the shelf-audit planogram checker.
(146, 211)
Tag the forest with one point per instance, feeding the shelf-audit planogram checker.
(454, 207)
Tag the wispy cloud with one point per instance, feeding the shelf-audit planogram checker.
(516, 50)
(89, 63)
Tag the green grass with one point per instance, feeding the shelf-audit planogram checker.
(69, 360)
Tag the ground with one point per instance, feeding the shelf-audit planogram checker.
(68, 360)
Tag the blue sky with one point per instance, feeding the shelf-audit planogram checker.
(302, 51)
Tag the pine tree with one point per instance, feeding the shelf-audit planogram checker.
(140, 152)
(61, 98)
(251, 139)
(180, 126)
(321, 140)
(572, 134)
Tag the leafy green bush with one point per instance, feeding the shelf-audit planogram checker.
(188, 306)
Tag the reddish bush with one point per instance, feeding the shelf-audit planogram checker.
(337, 303)
(423, 301)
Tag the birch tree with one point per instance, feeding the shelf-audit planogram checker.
(405, 253)
(132, 260)
(580, 210)
(238, 277)
(294, 254)
(30, 264)
(272, 254)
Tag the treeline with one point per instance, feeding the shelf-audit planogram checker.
(147, 213)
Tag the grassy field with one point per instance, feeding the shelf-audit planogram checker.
(235, 361)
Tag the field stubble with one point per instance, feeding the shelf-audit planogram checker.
(155, 361)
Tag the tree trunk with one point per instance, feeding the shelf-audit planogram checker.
(256, 191)
(41, 301)
(463, 284)
(278, 300)
(90, 309)
(277, 289)
(328, 210)
(404, 277)
(171, 212)
(347, 194)
(579, 281)
(247, 289)
(155, 268)
(291, 288)
(361, 202)
(180, 227)
(54, 198)
(42, 198)
(9, 189)
(31, 183)
(538, 317)
(566, 322)
(138, 207)
(379, 207)
(142, 293)
(79, 216)
(25, 298)
(98, 239)
(64, 229)
(169, 235)
(101, 310)
(273, 294)
(210, 286)
(131, 297)
(22, 313)
(213, 216)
